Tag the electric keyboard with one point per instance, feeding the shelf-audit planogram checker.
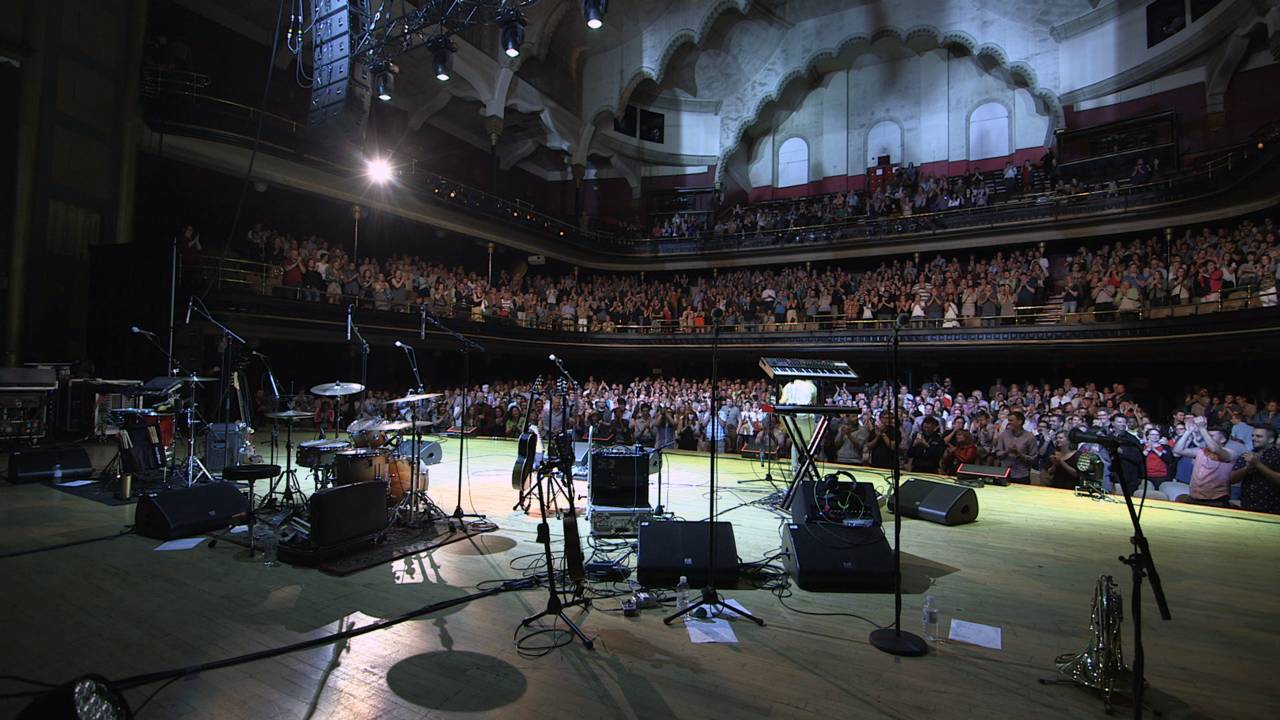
(806, 369)
(810, 409)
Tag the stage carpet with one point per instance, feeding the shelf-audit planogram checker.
(1028, 566)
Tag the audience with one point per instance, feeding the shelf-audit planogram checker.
(1114, 279)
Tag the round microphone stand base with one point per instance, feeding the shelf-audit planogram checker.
(896, 642)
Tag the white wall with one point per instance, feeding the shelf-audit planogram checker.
(929, 96)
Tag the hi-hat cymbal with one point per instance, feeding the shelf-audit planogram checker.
(288, 415)
(415, 398)
(337, 389)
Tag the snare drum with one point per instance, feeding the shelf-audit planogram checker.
(360, 465)
(320, 453)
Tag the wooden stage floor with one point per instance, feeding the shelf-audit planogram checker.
(1029, 565)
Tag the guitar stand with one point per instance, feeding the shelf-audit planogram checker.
(555, 605)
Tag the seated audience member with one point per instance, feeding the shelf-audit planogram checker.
(1258, 473)
(1212, 463)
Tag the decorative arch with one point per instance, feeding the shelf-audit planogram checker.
(793, 162)
(1017, 71)
(989, 127)
(884, 138)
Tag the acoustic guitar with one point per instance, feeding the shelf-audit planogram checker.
(527, 446)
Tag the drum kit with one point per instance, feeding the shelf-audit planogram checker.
(378, 449)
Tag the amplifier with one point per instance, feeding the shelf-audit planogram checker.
(606, 521)
(216, 454)
(23, 415)
(619, 477)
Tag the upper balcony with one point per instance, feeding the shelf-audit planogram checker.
(188, 124)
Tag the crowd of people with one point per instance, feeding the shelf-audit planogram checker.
(1214, 449)
(1121, 278)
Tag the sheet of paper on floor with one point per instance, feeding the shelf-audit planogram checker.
(987, 636)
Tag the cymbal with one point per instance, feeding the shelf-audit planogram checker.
(288, 415)
(337, 389)
(193, 379)
(415, 398)
(391, 426)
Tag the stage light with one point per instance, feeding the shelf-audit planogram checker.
(593, 11)
(384, 83)
(441, 51)
(512, 36)
(378, 170)
(89, 696)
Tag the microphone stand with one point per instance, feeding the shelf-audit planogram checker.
(893, 640)
(151, 337)
(225, 381)
(710, 597)
(364, 367)
(465, 346)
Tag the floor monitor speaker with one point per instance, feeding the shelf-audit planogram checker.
(937, 502)
(668, 549)
(189, 511)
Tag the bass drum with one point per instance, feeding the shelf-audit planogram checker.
(360, 465)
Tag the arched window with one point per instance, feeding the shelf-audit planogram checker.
(989, 131)
(884, 138)
(793, 163)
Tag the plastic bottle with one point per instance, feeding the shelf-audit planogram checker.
(57, 473)
(682, 594)
(929, 619)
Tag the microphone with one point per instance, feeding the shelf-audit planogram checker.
(401, 345)
(255, 352)
(136, 329)
(190, 301)
(349, 308)
(552, 357)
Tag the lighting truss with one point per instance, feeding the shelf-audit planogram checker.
(387, 37)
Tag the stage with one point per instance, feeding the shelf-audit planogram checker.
(1029, 565)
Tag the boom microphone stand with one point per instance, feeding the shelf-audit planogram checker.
(225, 380)
(1139, 561)
(710, 596)
(893, 640)
(465, 346)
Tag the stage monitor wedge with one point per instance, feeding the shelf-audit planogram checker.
(937, 502)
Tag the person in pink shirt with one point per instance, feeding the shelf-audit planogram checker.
(1211, 471)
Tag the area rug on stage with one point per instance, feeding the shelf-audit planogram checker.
(399, 542)
(96, 491)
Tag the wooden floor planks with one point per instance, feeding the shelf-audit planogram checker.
(1028, 565)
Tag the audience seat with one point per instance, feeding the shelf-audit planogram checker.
(1175, 490)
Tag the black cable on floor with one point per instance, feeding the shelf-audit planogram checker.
(73, 543)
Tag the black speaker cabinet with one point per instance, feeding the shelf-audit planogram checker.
(937, 502)
(829, 557)
(346, 513)
(342, 85)
(666, 550)
(35, 465)
(189, 511)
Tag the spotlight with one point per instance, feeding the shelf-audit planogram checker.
(378, 170)
(89, 696)
(512, 22)
(441, 50)
(384, 83)
(593, 11)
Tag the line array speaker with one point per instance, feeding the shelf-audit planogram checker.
(341, 88)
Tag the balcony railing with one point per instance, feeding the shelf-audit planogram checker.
(234, 275)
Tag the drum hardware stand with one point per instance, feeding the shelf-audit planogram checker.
(466, 345)
(193, 462)
(289, 477)
(710, 596)
(420, 504)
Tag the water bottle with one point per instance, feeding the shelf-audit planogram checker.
(929, 619)
(682, 594)
(57, 473)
